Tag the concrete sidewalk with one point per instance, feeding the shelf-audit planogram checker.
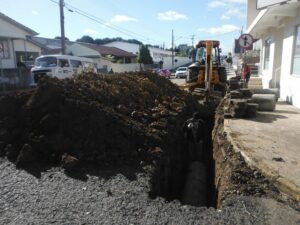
(271, 143)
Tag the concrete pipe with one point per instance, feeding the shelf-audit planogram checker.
(266, 102)
(274, 91)
(195, 188)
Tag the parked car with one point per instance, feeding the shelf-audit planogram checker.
(181, 72)
(61, 66)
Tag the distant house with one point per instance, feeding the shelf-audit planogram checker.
(278, 28)
(48, 45)
(157, 54)
(107, 58)
(16, 49)
(116, 55)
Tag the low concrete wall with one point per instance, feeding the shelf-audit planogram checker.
(14, 79)
(180, 62)
(119, 68)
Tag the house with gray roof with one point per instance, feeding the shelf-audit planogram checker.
(16, 49)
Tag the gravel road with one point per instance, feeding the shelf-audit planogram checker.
(115, 196)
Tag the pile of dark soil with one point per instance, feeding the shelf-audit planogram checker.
(108, 120)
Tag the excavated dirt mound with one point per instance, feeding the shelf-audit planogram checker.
(116, 119)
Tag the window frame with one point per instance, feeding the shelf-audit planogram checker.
(297, 28)
(2, 40)
(64, 65)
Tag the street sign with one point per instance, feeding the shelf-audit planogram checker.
(245, 40)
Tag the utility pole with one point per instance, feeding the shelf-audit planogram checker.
(193, 37)
(172, 49)
(62, 26)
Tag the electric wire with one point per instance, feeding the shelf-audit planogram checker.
(105, 23)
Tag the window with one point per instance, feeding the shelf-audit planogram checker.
(4, 50)
(76, 63)
(63, 63)
(267, 54)
(296, 55)
(46, 61)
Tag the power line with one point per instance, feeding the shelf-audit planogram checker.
(103, 22)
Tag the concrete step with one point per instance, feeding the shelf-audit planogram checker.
(254, 86)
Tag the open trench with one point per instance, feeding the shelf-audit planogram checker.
(188, 177)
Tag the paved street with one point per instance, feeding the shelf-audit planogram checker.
(178, 81)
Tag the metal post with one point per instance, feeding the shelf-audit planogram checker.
(25, 50)
(193, 37)
(62, 26)
(172, 50)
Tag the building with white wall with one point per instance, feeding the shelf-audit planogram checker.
(278, 28)
(15, 47)
(157, 54)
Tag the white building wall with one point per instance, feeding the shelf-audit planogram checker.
(157, 54)
(80, 50)
(180, 62)
(289, 84)
(271, 76)
(28, 46)
(15, 37)
(117, 67)
(8, 30)
(267, 73)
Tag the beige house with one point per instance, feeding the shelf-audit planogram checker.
(15, 48)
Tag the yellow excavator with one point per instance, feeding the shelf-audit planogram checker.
(206, 73)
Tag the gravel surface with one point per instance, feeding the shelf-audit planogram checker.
(116, 196)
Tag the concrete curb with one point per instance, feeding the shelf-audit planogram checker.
(283, 184)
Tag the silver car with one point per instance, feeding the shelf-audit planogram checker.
(181, 72)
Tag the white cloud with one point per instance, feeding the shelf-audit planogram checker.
(237, 1)
(90, 31)
(122, 18)
(233, 12)
(216, 4)
(224, 17)
(227, 28)
(171, 15)
(36, 13)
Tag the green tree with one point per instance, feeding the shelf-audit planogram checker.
(144, 55)
(58, 38)
(86, 39)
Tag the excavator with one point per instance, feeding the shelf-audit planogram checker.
(206, 73)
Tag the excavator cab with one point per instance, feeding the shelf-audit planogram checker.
(206, 72)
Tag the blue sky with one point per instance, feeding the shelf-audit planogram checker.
(150, 21)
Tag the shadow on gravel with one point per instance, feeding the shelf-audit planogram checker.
(36, 169)
(83, 171)
(106, 173)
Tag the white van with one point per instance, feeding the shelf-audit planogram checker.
(61, 66)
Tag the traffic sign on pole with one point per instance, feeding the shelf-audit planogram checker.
(245, 40)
